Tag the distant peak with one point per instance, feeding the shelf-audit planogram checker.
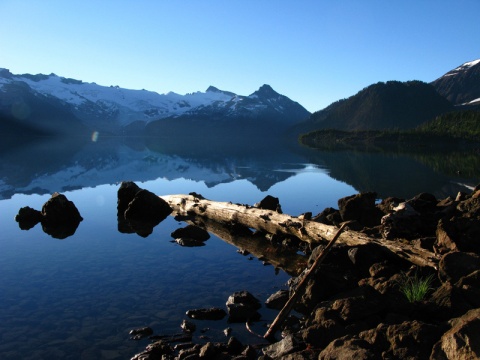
(213, 89)
(265, 91)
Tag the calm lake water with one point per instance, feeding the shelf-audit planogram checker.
(79, 297)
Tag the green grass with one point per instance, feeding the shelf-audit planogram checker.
(416, 288)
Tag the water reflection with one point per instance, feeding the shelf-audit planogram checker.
(75, 299)
(50, 165)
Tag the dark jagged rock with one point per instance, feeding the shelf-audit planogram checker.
(360, 207)
(140, 333)
(456, 265)
(462, 341)
(192, 232)
(278, 300)
(60, 217)
(269, 203)
(286, 346)
(126, 192)
(207, 314)
(27, 218)
(242, 306)
(154, 351)
(59, 210)
(188, 326)
(139, 210)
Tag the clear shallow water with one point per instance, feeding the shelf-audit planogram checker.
(79, 297)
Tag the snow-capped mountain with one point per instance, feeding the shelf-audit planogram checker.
(461, 85)
(112, 108)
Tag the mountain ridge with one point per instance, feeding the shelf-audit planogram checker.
(111, 109)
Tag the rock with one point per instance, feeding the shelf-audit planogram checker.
(234, 346)
(206, 314)
(320, 334)
(450, 301)
(208, 351)
(361, 303)
(458, 234)
(462, 341)
(278, 300)
(140, 333)
(408, 340)
(27, 218)
(269, 203)
(60, 217)
(189, 242)
(470, 208)
(329, 216)
(146, 211)
(188, 326)
(154, 351)
(191, 231)
(242, 306)
(364, 256)
(125, 194)
(360, 207)
(284, 347)
(456, 265)
(424, 203)
(347, 347)
(402, 222)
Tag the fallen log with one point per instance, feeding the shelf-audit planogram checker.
(305, 230)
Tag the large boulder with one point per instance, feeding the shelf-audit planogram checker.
(462, 341)
(60, 217)
(139, 210)
(455, 265)
(361, 208)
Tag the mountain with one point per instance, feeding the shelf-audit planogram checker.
(390, 105)
(116, 110)
(461, 85)
(263, 113)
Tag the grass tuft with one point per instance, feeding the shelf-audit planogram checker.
(416, 288)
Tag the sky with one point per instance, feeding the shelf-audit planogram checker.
(315, 52)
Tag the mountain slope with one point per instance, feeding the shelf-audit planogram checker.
(462, 84)
(394, 104)
(117, 110)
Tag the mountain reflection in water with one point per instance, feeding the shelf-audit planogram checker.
(78, 298)
(43, 166)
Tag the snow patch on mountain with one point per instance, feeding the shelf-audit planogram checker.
(462, 68)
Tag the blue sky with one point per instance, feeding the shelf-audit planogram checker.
(314, 52)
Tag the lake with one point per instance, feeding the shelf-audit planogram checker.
(79, 297)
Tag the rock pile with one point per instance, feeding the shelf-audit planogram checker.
(366, 302)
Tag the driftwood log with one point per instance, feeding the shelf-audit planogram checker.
(275, 223)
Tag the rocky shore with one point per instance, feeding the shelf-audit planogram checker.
(366, 302)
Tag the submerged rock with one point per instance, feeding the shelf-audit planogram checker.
(207, 314)
(140, 333)
(192, 232)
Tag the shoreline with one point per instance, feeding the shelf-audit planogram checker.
(357, 303)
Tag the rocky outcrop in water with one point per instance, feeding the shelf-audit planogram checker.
(139, 210)
(59, 217)
(366, 302)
